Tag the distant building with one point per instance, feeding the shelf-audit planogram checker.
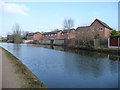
(51, 35)
(37, 36)
(84, 32)
(97, 28)
(29, 36)
(10, 38)
(4, 39)
(66, 34)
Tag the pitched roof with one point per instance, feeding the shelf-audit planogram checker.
(103, 23)
(82, 27)
(36, 32)
(29, 34)
(52, 32)
(67, 30)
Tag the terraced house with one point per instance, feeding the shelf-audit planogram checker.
(83, 33)
(51, 35)
(97, 28)
(66, 34)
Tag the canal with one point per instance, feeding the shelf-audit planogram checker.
(59, 68)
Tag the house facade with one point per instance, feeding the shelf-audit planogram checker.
(51, 35)
(66, 34)
(96, 28)
(37, 36)
(29, 36)
(72, 34)
(63, 34)
(10, 38)
(101, 28)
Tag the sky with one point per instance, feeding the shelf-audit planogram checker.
(47, 16)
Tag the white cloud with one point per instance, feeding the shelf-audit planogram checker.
(16, 9)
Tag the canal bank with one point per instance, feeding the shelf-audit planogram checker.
(93, 45)
(112, 51)
(17, 75)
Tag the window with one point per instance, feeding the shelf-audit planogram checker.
(100, 29)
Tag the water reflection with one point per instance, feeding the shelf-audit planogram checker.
(114, 57)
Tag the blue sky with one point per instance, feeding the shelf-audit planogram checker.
(47, 16)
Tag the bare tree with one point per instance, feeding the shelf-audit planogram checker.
(68, 23)
(17, 33)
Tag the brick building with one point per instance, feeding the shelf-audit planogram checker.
(51, 35)
(37, 36)
(96, 28)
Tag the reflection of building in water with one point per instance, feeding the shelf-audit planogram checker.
(113, 57)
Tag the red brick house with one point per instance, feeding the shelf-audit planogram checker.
(37, 36)
(29, 36)
(66, 34)
(51, 35)
(97, 27)
(72, 34)
(81, 34)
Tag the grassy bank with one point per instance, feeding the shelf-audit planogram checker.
(29, 80)
(114, 51)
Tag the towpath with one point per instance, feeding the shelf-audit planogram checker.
(9, 78)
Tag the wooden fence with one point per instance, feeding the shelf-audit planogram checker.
(114, 42)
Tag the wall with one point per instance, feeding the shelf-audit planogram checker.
(95, 29)
(72, 34)
(37, 36)
(107, 32)
(84, 33)
(44, 41)
(59, 41)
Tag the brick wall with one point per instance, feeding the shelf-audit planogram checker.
(37, 36)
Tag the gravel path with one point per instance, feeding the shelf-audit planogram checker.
(9, 78)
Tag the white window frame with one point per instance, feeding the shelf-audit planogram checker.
(100, 29)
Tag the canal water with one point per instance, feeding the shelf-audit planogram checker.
(58, 68)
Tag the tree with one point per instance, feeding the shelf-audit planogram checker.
(68, 23)
(17, 34)
(114, 33)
